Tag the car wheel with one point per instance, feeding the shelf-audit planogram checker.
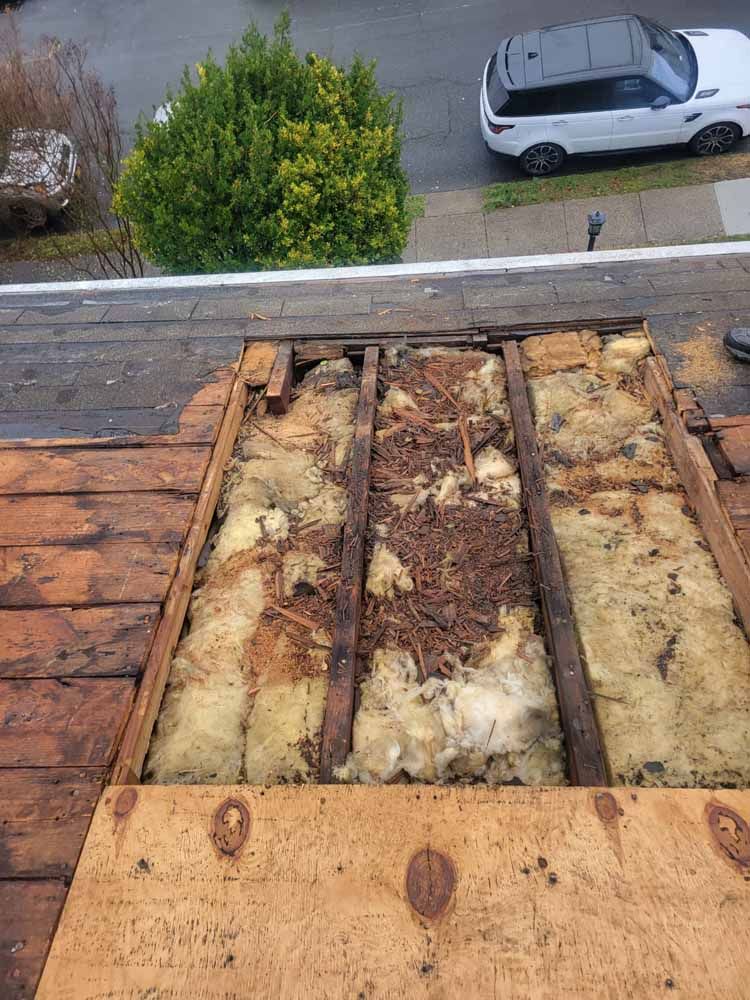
(542, 159)
(715, 139)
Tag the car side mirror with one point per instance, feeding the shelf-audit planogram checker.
(660, 103)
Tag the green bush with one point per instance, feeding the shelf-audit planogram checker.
(269, 161)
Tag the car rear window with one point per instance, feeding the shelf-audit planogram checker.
(497, 95)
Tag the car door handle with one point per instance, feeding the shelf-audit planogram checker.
(561, 122)
(626, 118)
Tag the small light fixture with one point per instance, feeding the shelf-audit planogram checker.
(596, 223)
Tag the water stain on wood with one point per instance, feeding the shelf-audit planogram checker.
(731, 833)
(606, 807)
(430, 883)
(230, 828)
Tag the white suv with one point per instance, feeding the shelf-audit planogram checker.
(614, 84)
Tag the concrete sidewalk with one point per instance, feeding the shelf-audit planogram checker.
(456, 227)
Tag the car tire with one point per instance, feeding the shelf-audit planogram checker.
(542, 159)
(715, 139)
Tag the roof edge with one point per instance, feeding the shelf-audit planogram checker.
(375, 272)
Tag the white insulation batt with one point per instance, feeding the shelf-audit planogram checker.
(668, 664)
(234, 710)
(495, 719)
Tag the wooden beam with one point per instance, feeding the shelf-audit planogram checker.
(280, 383)
(129, 763)
(29, 911)
(699, 480)
(337, 725)
(585, 757)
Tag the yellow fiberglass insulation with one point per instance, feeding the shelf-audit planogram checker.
(235, 709)
(668, 665)
(495, 719)
(493, 715)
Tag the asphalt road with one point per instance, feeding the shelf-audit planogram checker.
(431, 52)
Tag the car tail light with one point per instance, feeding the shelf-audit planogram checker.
(498, 129)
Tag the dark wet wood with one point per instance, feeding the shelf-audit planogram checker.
(734, 444)
(94, 517)
(70, 642)
(337, 725)
(107, 573)
(29, 911)
(109, 428)
(103, 470)
(583, 745)
(44, 816)
(279, 385)
(74, 722)
(735, 497)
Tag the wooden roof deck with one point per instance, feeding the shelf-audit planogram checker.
(110, 408)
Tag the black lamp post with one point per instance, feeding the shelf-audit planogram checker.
(596, 222)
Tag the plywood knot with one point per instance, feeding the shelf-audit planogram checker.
(125, 802)
(430, 881)
(230, 827)
(606, 807)
(731, 833)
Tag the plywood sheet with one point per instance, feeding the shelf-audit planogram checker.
(107, 573)
(69, 642)
(52, 723)
(106, 470)
(734, 443)
(735, 496)
(28, 914)
(408, 892)
(94, 517)
(44, 815)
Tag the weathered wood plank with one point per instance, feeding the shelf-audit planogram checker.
(107, 470)
(44, 816)
(517, 893)
(107, 428)
(107, 573)
(735, 497)
(94, 517)
(585, 757)
(734, 443)
(70, 642)
(28, 917)
(257, 362)
(138, 732)
(280, 383)
(699, 480)
(308, 353)
(74, 722)
(337, 724)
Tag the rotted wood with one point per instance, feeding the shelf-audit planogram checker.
(700, 482)
(73, 575)
(583, 745)
(337, 724)
(69, 642)
(137, 735)
(44, 815)
(279, 386)
(734, 444)
(257, 362)
(735, 497)
(29, 911)
(93, 517)
(105, 470)
(74, 722)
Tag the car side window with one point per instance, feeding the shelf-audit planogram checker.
(531, 103)
(579, 98)
(636, 92)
